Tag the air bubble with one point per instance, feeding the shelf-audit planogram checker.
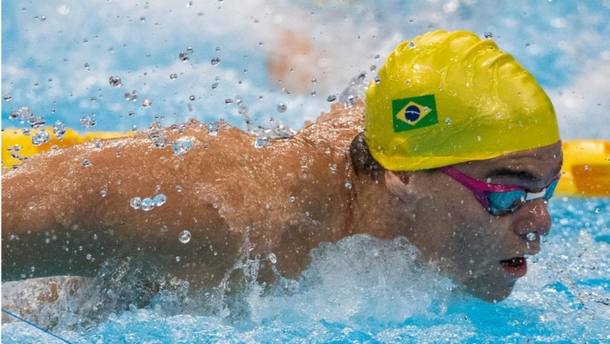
(488, 35)
(331, 98)
(215, 60)
(192, 97)
(173, 76)
(86, 163)
(184, 236)
(531, 236)
(146, 103)
(291, 199)
(104, 192)
(281, 107)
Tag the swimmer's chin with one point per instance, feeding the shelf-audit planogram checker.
(491, 294)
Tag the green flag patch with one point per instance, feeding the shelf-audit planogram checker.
(415, 112)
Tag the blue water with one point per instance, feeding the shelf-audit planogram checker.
(366, 290)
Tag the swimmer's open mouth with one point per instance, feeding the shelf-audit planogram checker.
(516, 266)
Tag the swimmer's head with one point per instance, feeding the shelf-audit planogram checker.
(448, 97)
(453, 99)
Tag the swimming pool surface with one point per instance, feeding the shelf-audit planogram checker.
(366, 290)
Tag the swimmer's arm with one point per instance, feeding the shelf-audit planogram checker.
(64, 218)
(47, 212)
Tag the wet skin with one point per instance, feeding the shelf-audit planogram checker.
(242, 202)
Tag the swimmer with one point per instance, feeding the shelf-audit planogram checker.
(455, 147)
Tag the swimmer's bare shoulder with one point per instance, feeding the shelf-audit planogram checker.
(68, 210)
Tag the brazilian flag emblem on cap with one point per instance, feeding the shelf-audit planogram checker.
(413, 113)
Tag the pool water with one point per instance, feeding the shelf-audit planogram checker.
(365, 290)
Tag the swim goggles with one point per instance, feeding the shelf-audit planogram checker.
(499, 199)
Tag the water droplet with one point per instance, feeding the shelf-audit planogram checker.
(213, 129)
(115, 81)
(40, 138)
(159, 200)
(261, 142)
(281, 107)
(192, 97)
(586, 167)
(7, 97)
(135, 202)
(272, 258)
(173, 76)
(36, 122)
(184, 236)
(178, 259)
(87, 121)
(59, 129)
(131, 96)
(146, 103)
(158, 139)
(182, 145)
(189, 4)
(479, 138)
(215, 60)
(86, 163)
(178, 188)
(331, 98)
(531, 236)
(332, 168)
(147, 204)
(488, 34)
(291, 199)
(348, 185)
(88, 256)
(104, 192)
(214, 85)
(448, 121)
(183, 56)
(411, 44)
(228, 101)
(23, 114)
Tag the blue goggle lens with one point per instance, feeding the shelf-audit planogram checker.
(507, 202)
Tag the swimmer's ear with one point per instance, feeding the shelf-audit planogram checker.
(398, 183)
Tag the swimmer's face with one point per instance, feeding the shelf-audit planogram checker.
(451, 227)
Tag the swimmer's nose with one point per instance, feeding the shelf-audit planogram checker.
(534, 217)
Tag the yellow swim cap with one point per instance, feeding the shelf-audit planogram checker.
(450, 97)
